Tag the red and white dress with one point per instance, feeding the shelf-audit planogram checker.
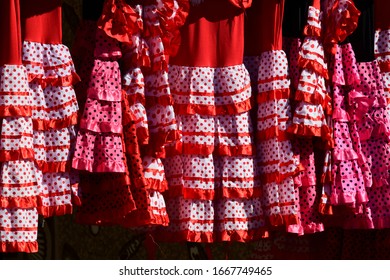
(51, 76)
(214, 189)
(18, 184)
(276, 160)
(39, 111)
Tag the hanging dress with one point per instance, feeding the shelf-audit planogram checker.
(214, 191)
(18, 184)
(51, 76)
(276, 160)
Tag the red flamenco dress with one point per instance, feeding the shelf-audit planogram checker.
(214, 189)
(148, 94)
(276, 161)
(51, 76)
(105, 182)
(18, 184)
(39, 112)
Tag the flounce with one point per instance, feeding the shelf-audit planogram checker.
(17, 202)
(313, 92)
(273, 75)
(19, 183)
(314, 64)
(163, 20)
(287, 220)
(104, 82)
(224, 135)
(134, 117)
(49, 64)
(186, 236)
(99, 152)
(229, 92)
(133, 84)
(349, 199)
(119, 20)
(18, 247)
(173, 14)
(55, 210)
(341, 20)
(242, 235)
(153, 171)
(190, 109)
(102, 116)
(302, 129)
(44, 125)
(13, 155)
(340, 154)
(53, 167)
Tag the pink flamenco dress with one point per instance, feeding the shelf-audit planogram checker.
(362, 175)
(214, 189)
(276, 161)
(19, 190)
(312, 108)
(344, 163)
(379, 195)
(100, 154)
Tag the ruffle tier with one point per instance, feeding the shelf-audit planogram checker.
(99, 152)
(229, 92)
(59, 193)
(19, 187)
(19, 230)
(205, 221)
(49, 64)
(224, 135)
(212, 177)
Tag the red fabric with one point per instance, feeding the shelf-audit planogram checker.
(241, 3)
(10, 44)
(278, 220)
(19, 247)
(381, 10)
(119, 20)
(18, 202)
(264, 27)
(64, 81)
(340, 23)
(55, 124)
(53, 167)
(212, 110)
(12, 155)
(243, 235)
(59, 210)
(199, 44)
(37, 16)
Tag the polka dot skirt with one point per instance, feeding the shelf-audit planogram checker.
(276, 160)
